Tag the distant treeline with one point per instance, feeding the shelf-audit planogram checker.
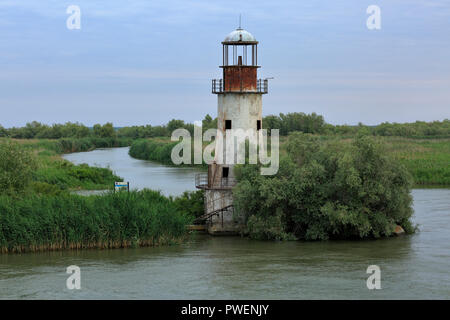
(313, 123)
(37, 130)
(286, 123)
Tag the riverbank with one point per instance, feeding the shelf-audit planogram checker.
(39, 212)
(426, 159)
(160, 150)
(53, 174)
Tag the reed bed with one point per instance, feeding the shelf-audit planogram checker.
(67, 221)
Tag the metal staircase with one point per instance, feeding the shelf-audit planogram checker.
(203, 218)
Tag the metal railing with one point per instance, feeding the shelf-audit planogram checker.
(208, 215)
(217, 85)
(201, 182)
(262, 86)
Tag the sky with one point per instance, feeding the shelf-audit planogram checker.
(147, 62)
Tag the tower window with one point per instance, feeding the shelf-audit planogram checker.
(227, 124)
(225, 171)
(258, 124)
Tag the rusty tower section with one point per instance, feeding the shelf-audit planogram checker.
(239, 106)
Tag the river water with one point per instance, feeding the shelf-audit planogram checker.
(412, 267)
(141, 174)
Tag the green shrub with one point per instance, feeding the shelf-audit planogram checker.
(191, 202)
(267, 228)
(16, 168)
(328, 190)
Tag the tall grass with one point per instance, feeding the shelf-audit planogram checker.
(428, 160)
(67, 145)
(66, 221)
(155, 150)
(159, 150)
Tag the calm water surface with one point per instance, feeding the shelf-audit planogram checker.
(412, 267)
(140, 173)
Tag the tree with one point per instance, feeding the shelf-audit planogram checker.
(175, 124)
(326, 190)
(105, 131)
(3, 132)
(271, 122)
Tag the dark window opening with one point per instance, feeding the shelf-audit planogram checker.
(225, 172)
(258, 124)
(227, 124)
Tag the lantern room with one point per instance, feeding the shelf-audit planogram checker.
(240, 48)
(240, 64)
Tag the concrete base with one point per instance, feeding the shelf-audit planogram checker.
(222, 222)
(226, 230)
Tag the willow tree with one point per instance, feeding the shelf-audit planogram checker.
(326, 190)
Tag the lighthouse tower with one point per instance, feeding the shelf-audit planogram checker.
(239, 106)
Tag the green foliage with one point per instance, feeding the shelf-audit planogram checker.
(42, 131)
(50, 174)
(296, 121)
(39, 187)
(68, 145)
(173, 124)
(426, 159)
(313, 123)
(153, 150)
(148, 131)
(157, 150)
(73, 222)
(286, 123)
(328, 189)
(139, 132)
(267, 228)
(104, 131)
(209, 123)
(418, 129)
(191, 202)
(66, 176)
(16, 168)
(3, 132)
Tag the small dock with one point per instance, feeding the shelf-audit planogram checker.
(197, 227)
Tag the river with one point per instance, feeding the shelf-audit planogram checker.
(141, 174)
(412, 267)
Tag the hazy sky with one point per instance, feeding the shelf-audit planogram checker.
(140, 62)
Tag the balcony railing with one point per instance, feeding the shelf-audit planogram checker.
(201, 182)
(217, 86)
(262, 86)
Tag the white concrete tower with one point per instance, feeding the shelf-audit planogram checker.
(239, 106)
